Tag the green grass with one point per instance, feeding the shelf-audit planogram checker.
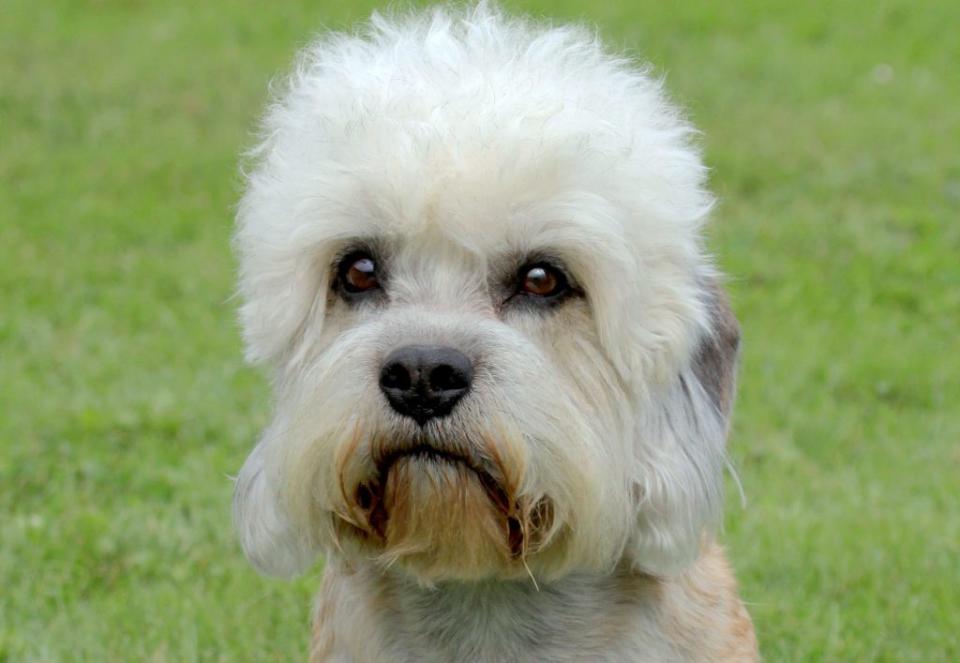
(832, 133)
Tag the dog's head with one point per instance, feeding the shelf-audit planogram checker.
(470, 252)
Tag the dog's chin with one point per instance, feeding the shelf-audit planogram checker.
(443, 515)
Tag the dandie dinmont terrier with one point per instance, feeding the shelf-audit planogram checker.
(503, 364)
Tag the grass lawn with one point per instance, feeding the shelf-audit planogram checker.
(833, 132)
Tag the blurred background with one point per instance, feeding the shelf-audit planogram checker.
(833, 134)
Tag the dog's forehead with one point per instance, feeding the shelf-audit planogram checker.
(486, 203)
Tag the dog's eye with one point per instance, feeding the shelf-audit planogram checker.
(543, 280)
(358, 273)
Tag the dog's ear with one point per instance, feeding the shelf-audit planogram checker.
(269, 540)
(681, 447)
(715, 362)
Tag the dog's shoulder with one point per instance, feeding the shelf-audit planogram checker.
(703, 613)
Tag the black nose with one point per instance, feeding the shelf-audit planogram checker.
(425, 381)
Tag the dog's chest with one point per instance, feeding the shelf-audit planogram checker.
(577, 619)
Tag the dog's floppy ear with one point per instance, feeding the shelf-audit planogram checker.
(715, 363)
(267, 536)
(681, 447)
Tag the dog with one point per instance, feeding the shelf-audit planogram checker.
(503, 363)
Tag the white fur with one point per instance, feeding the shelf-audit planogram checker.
(457, 140)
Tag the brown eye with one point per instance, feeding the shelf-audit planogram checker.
(543, 280)
(358, 273)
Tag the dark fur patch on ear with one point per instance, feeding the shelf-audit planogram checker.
(715, 363)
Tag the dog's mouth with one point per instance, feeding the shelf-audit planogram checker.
(418, 483)
(435, 465)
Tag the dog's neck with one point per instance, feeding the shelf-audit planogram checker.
(508, 620)
(367, 614)
(583, 616)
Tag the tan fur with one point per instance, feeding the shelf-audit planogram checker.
(704, 614)
(427, 518)
(466, 517)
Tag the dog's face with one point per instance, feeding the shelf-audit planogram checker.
(498, 348)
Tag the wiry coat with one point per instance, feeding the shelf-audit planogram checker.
(566, 507)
